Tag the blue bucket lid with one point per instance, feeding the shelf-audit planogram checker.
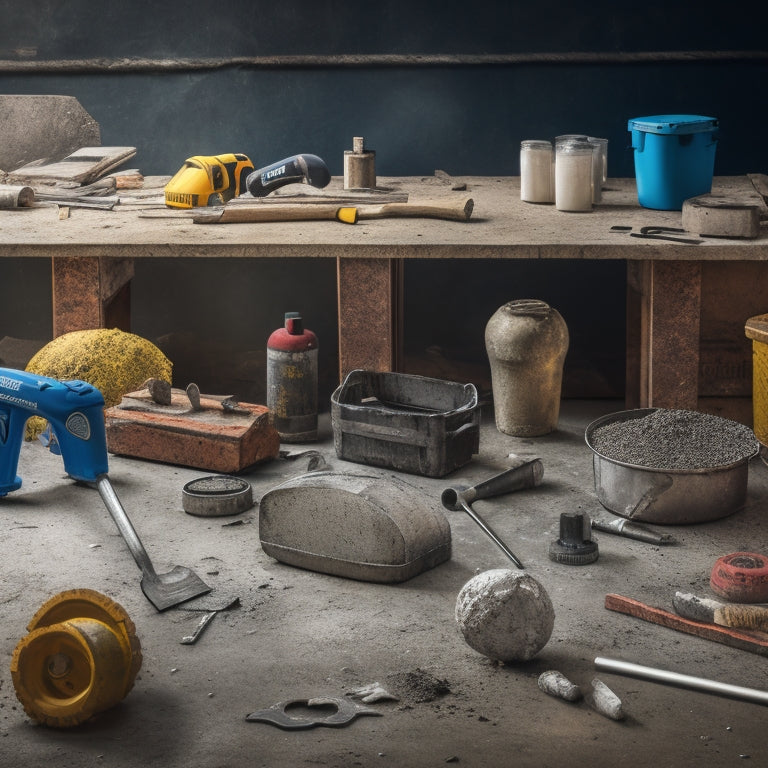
(673, 124)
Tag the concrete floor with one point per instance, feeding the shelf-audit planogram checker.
(300, 634)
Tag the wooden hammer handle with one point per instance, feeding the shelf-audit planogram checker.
(255, 213)
(455, 210)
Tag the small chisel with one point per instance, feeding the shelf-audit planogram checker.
(622, 527)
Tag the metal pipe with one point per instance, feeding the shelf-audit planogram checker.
(314, 61)
(681, 681)
(492, 534)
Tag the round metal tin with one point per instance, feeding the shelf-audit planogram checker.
(217, 496)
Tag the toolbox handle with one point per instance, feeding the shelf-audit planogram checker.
(393, 434)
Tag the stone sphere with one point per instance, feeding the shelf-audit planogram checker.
(505, 615)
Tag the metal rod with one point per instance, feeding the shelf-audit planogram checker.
(490, 532)
(310, 61)
(681, 681)
(124, 525)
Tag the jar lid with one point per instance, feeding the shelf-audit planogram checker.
(534, 307)
(574, 147)
(535, 144)
(673, 124)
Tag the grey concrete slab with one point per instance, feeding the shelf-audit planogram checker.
(43, 127)
(300, 634)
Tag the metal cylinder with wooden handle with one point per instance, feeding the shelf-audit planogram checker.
(453, 210)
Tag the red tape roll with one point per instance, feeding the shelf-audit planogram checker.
(741, 577)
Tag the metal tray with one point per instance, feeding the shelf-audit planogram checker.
(405, 422)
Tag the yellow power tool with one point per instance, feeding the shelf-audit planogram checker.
(208, 180)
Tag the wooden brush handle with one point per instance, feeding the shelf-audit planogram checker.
(744, 616)
(745, 640)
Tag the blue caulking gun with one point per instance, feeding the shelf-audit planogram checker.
(75, 414)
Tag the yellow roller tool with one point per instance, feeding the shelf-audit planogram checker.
(208, 180)
(81, 657)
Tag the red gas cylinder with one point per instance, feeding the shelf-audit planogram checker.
(292, 353)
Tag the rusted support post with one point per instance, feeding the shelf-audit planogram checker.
(370, 314)
(90, 292)
(663, 334)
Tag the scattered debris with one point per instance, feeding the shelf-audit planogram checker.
(210, 602)
(557, 684)
(370, 694)
(418, 686)
(605, 701)
(316, 460)
(206, 619)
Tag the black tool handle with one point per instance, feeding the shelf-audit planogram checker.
(308, 169)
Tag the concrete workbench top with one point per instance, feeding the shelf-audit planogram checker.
(501, 226)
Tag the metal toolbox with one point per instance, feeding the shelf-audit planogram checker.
(405, 422)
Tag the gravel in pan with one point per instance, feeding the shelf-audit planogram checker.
(674, 439)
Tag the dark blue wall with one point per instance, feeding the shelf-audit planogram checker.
(462, 118)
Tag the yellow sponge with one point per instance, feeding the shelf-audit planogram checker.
(114, 361)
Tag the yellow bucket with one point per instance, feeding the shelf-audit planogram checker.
(756, 329)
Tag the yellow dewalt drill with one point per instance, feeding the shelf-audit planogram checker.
(214, 180)
(208, 180)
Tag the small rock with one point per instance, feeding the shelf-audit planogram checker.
(605, 701)
(557, 684)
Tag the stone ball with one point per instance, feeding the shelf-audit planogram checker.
(505, 615)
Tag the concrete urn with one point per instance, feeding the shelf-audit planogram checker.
(526, 341)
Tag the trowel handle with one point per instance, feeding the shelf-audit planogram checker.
(124, 525)
(527, 474)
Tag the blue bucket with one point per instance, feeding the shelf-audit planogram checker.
(674, 158)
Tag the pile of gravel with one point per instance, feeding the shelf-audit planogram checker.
(674, 439)
(418, 686)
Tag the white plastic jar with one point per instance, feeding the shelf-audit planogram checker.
(573, 176)
(537, 171)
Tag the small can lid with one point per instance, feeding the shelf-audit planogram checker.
(673, 124)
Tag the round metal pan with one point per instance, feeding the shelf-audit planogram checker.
(666, 496)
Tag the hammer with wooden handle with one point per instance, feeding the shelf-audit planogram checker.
(454, 210)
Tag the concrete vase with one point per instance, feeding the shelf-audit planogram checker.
(526, 341)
